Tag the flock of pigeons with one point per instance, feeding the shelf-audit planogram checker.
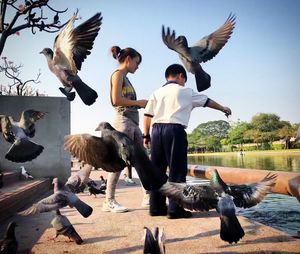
(113, 151)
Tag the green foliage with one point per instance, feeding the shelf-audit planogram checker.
(260, 134)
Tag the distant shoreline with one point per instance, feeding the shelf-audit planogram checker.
(291, 151)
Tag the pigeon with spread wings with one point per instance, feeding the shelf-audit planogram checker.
(18, 133)
(61, 197)
(204, 50)
(222, 197)
(112, 152)
(71, 48)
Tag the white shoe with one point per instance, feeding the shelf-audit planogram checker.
(129, 181)
(146, 200)
(113, 206)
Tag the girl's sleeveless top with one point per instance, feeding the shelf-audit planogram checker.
(129, 93)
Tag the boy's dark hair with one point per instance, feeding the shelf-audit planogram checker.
(175, 69)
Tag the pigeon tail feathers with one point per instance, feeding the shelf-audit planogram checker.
(84, 209)
(23, 150)
(231, 229)
(87, 94)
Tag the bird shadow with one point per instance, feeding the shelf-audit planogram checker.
(101, 239)
(124, 250)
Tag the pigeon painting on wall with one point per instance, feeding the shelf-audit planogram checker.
(70, 49)
(203, 50)
(19, 133)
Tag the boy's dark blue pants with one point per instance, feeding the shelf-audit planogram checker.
(168, 149)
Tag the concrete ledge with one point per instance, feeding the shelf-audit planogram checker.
(18, 195)
(11, 177)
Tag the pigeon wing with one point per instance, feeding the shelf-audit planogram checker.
(178, 44)
(83, 37)
(28, 119)
(50, 203)
(209, 46)
(248, 195)
(72, 46)
(63, 48)
(96, 151)
(192, 197)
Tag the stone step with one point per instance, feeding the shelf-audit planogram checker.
(19, 194)
(10, 177)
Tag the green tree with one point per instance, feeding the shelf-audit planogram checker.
(236, 134)
(201, 136)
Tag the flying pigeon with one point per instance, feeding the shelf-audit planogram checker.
(63, 226)
(204, 50)
(18, 133)
(77, 182)
(154, 242)
(62, 197)
(112, 152)
(9, 244)
(25, 174)
(70, 49)
(222, 197)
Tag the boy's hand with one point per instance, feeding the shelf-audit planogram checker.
(227, 111)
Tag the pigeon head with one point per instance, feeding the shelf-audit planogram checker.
(104, 126)
(47, 52)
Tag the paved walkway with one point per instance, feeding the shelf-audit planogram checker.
(112, 233)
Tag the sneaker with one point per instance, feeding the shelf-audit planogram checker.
(129, 181)
(113, 206)
(146, 200)
(180, 214)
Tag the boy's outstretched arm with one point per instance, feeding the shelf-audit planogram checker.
(213, 104)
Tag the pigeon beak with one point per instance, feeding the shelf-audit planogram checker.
(41, 52)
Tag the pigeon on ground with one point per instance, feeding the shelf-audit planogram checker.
(112, 152)
(25, 174)
(70, 49)
(94, 190)
(9, 244)
(222, 197)
(154, 242)
(103, 181)
(64, 227)
(62, 197)
(204, 50)
(77, 182)
(18, 133)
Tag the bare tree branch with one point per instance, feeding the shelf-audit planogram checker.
(17, 87)
(34, 18)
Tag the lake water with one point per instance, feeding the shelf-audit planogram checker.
(278, 211)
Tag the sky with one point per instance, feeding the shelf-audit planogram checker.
(257, 71)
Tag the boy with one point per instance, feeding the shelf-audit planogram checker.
(168, 111)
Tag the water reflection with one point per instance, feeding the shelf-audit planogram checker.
(280, 162)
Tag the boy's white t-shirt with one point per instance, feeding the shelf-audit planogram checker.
(173, 103)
